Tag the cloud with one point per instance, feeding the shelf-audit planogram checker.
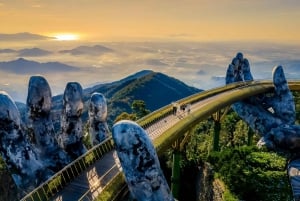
(23, 36)
(181, 35)
(155, 62)
(7, 51)
(202, 65)
(88, 50)
(201, 72)
(36, 6)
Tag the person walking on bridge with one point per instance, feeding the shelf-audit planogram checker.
(175, 106)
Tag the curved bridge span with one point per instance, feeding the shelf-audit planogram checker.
(96, 173)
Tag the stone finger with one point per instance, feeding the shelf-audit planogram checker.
(230, 74)
(246, 70)
(283, 100)
(140, 162)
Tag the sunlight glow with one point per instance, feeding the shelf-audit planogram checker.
(66, 37)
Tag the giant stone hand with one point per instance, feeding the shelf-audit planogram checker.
(272, 116)
(140, 163)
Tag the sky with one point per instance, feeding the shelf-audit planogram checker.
(124, 20)
(191, 40)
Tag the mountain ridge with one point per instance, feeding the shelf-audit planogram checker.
(154, 88)
(24, 66)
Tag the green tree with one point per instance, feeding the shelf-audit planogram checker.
(125, 116)
(138, 111)
(139, 108)
(200, 144)
(228, 127)
(240, 134)
(252, 174)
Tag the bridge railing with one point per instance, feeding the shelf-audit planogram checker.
(68, 173)
(59, 180)
(159, 114)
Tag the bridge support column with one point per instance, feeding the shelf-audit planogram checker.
(250, 137)
(217, 128)
(175, 180)
(217, 117)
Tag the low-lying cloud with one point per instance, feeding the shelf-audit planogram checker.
(202, 65)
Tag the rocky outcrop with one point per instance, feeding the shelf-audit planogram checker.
(208, 188)
(71, 138)
(33, 151)
(40, 123)
(98, 118)
(140, 163)
(21, 157)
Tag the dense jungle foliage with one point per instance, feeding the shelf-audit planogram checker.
(249, 173)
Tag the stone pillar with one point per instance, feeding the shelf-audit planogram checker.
(140, 163)
(22, 159)
(39, 122)
(175, 186)
(71, 138)
(98, 118)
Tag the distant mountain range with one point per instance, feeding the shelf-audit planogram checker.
(156, 89)
(80, 50)
(23, 66)
(27, 52)
(23, 36)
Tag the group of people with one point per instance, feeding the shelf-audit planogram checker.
(184, 108)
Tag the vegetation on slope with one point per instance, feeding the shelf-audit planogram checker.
(155, 89)
(248, 172)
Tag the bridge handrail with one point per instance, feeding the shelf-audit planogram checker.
(267, 86)
(160, 113)
(244, 91)
(54, 184)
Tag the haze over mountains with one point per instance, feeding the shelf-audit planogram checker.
(199, 64)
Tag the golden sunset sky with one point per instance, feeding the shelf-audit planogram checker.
(195, 20)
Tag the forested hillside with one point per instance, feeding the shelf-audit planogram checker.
(155, 89)
(244, 171)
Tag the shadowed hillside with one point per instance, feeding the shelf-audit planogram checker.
(156, 89)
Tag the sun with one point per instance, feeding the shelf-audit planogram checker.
(66, 37)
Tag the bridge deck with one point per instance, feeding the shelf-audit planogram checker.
(91, 182)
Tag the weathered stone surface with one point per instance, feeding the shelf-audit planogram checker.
(140, 163)
(98, 118)
(71, 138)
(238, 70)
(40, 123)
(204, 183)
(22, 159)
(266, 113)
(273, 116)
